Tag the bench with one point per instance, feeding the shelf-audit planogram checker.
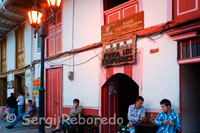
(91, 127)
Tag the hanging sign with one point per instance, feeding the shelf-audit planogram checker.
(119, 52)
(123, 26)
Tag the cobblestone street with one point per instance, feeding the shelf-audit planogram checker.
(19, 128)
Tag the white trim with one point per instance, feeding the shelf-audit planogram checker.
(112, 14)
(188, 11)
(128, 8)
(189, 61)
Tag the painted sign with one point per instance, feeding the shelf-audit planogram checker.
(123, 26)
(119, 52)
(36, 86)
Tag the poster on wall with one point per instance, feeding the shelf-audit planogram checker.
(10, 84)
(118, 52)
(36, 87)
(28, 83)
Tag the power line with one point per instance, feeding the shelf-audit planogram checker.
(75, 64)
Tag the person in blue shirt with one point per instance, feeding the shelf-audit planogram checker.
(136, 114)
(168, 121)
(19, 118)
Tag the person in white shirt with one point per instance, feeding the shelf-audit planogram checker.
(37, 101)
(20, 103)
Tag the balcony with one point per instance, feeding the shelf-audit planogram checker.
(121, 11)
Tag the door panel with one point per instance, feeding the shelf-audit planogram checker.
(54, 93)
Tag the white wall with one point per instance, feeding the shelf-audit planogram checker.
(10, 78)
(11, 50)
(85, 85)
(27, 43)
(36, 54)
(160, 72)
(87, 23)
(11, 47)
(88, 16)
(37, 71)
(155, 12)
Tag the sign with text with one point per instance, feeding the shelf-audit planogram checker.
(36, 86)
(119, 52)
(123, 26)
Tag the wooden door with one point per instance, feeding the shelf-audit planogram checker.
(20, 54)
(110, 107)
(3, 93)
(118, 93)
(3, 55)
(54, 93)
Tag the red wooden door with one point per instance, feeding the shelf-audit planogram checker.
(54, 93)
(110, 109)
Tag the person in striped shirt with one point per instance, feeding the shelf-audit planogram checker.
(168, 121)
(136, 113)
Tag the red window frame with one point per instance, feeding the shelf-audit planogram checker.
(184, 10)
(188, 49)
(54, 35)
(121, 11)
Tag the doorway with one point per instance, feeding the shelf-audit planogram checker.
(19, 84)
(3, 91)
(54, 93)
(118, 93)
(190, 97)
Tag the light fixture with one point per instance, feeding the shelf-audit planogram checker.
(35, 16)
(54, 4)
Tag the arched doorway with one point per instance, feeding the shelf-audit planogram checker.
(118, 93)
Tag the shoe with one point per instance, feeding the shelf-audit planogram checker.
(9, 127)
(56, 130)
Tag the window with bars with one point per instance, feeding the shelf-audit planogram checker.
(189, 48)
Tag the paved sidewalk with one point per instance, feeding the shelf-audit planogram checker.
(19, 128)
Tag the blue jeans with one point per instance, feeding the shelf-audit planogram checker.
(11, 110)
(20, 109)
(18, 118)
